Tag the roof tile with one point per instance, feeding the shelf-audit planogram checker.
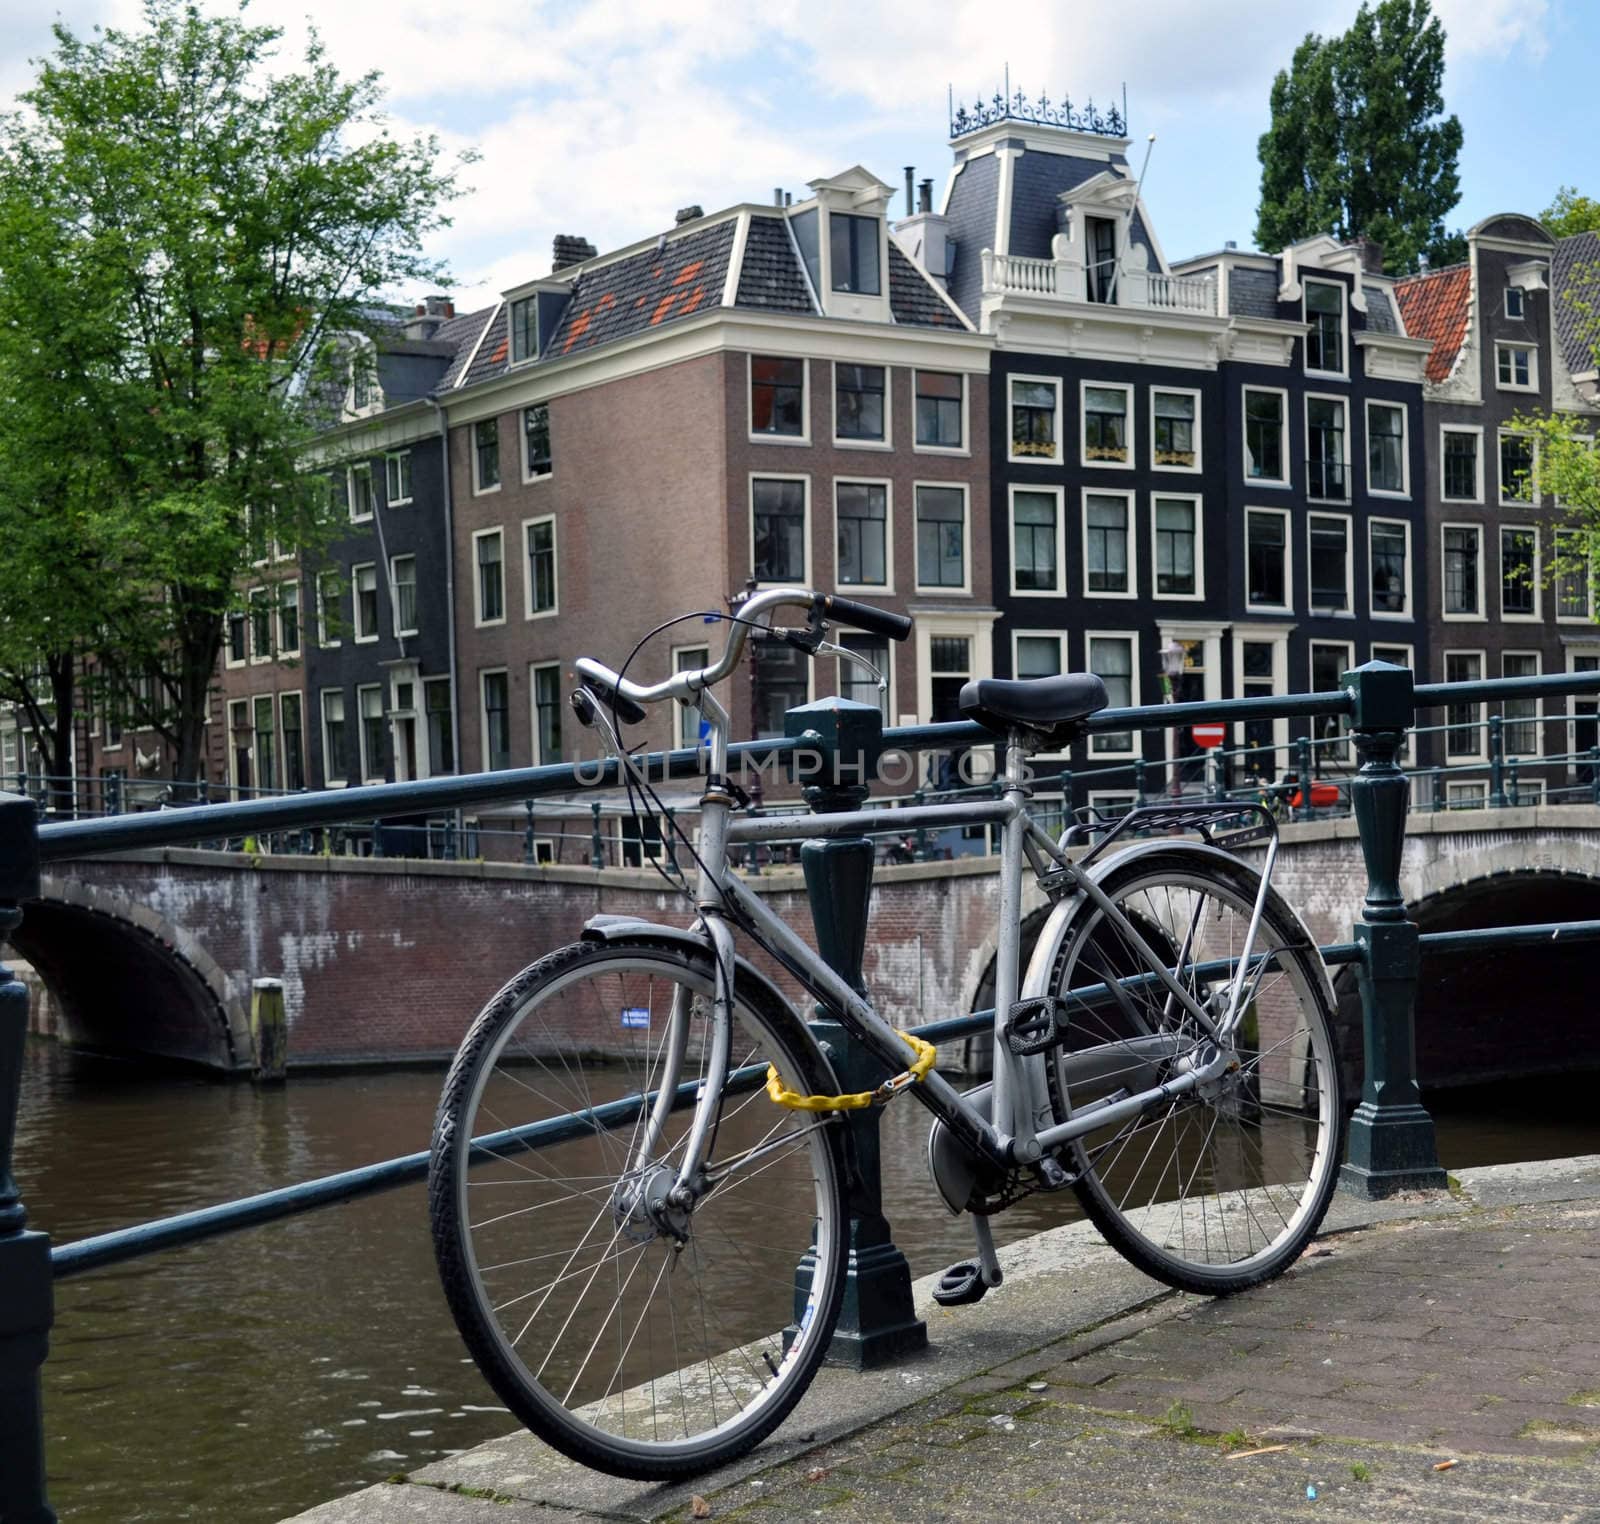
(1435, 307)
(1575, 300)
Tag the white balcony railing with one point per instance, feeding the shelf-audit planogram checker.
(1181, 293)
(1062, 280)
(1013, 272)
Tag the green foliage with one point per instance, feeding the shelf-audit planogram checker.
(1359, 144)
(1571, 213)
(191, 245)
(1567, 474)
(1360, 1471)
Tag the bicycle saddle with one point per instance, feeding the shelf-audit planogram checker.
(1050, 705)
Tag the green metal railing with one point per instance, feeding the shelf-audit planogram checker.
(1391, 1142)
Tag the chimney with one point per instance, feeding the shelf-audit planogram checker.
(428, 316)
(1371, 255)
(777, 195)
(687, 214)
(911, 199)
(925, 200)
(1423, 264)
(1232, 243)
(571, 250)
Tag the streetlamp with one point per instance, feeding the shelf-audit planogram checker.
(1173, 655)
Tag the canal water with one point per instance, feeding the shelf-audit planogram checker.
(254, 1376)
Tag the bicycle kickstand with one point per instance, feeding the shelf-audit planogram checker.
(969, 1280)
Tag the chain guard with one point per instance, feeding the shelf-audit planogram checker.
(968, 1183)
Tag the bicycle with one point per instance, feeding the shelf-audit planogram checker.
(618, 1207)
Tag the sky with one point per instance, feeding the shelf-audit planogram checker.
(602, 117)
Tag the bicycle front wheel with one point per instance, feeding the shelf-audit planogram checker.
(640, 1334)
(1221, 1188)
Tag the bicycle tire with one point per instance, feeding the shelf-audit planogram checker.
(1264, 1141)
(493, 1069)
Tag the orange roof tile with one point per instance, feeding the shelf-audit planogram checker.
(1435, 307)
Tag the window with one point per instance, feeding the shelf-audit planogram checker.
(1111, 659)
(859, 394)
(855, 682)
(491, 584)
(861, 512)
(536, 441)
(1388, 558)
(1386, 448)
(524, 318)
(438, 706)
(1034, 408)
(1329, 662)
(1463, 570)
(1516, 468)
(329, 618)
(1265, 422)
(360, 493)
(539, 536)
(1105, 426)
(1466, 796)
(288, 618)
(1035, 541)
(1100, 238)
(403, 587)
(1324, 310)
(1174, 438)
(364, 580)
(238, 639)
(1519, 727)
(397, 478)
(1266, 547)
(1462, 483)
(335, 763)
(1037, 656)
(1177, 526)
(690, 659)
(486, 455)
(809, 240)
(853, 254)
(495, 690)
(1515, 368)
(544, 685)
(294, 742)
(1519, 573)
(1514, 302)
(777, 397)
(1106, 549)
(369, 704)
(260, 624)
(949, 667)
(941, 537)
(266, 738)
(1330, 563)
(1465, 736)
(778, 516)
(940, 399)
(1257, 664)
(239, 741)
(1572, 575)
(1325, 460)
(782, 681)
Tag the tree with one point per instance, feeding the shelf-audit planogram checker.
(222, 229)
(1571, 213)
(1359, 145)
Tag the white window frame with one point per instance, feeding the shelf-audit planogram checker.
(322, 721)
(1097, 747)
(1287, 479)
(257, 658)
(355, 602)
(1405, 447)
(1587, 617)
(1538, 717)
(325, 641)
(1128, 391)
(1199, 448)
(1287, 519)
(234, 706)
(1276, 636)
(965, 447)
(1344, 326)
(1338, 750)
(1060, 638)
(363, 469)
(394, 592)
(1537, 616)
(227, 647)
(1199, 593)
(1590, 651)
(283, 650)
(804, 436)
(887, 442)
(1054, 383)
(1130, 498)
(1499, 482)
(1349, 609)
(1520, 315)
(478, 621)
(512, 357)
(1463, 428)
(680, 711)
(942, 590)
(1407, 608)
(535, 750)
(1480, 732)
(977, 629)
(1407, 752)
(884, 589)
(1059, 494)
(528, 610)
(363, 761)
(483, 716)
(803, 477)
(1532, 352)
(478, 489)
(1483, 609)
(1305, 421)
(528, 473)
(391, 468)
(1097, 797)
(1456, 794)
(891, 697)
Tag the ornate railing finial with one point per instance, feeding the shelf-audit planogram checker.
(1007, 106)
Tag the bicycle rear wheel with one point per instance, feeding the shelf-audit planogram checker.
(1221, 1188)
(639, 1335)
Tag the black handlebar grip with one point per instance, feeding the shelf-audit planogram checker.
(864, 616)
(617, 702)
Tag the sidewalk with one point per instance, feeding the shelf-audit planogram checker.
(1414, 1332)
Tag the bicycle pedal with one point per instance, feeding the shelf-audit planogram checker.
(1034, 1026)
(961, 1285)
(1052, 1176)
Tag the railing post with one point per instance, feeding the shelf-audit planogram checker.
(1302, 748)
(1594, 771)
(1066, 798)
(1138, 781)
(672, 839)
(919, 853)
(26, 1307)
(879, 1320)
(1513, 791)
(597, 851)
(1497, 764)
(527, 833)
(1391, 1145)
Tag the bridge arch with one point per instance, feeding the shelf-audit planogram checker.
(127, 981)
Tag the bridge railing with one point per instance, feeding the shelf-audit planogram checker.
(1391, 1142)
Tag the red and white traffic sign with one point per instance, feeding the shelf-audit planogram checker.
(1207, 736)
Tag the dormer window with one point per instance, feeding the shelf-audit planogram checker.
(360, 385)
(525, 329)
(1100, 246)
(1513, 302)
(853, 254)
(1325, 323)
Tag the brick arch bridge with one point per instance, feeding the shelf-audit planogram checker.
(389, 960)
